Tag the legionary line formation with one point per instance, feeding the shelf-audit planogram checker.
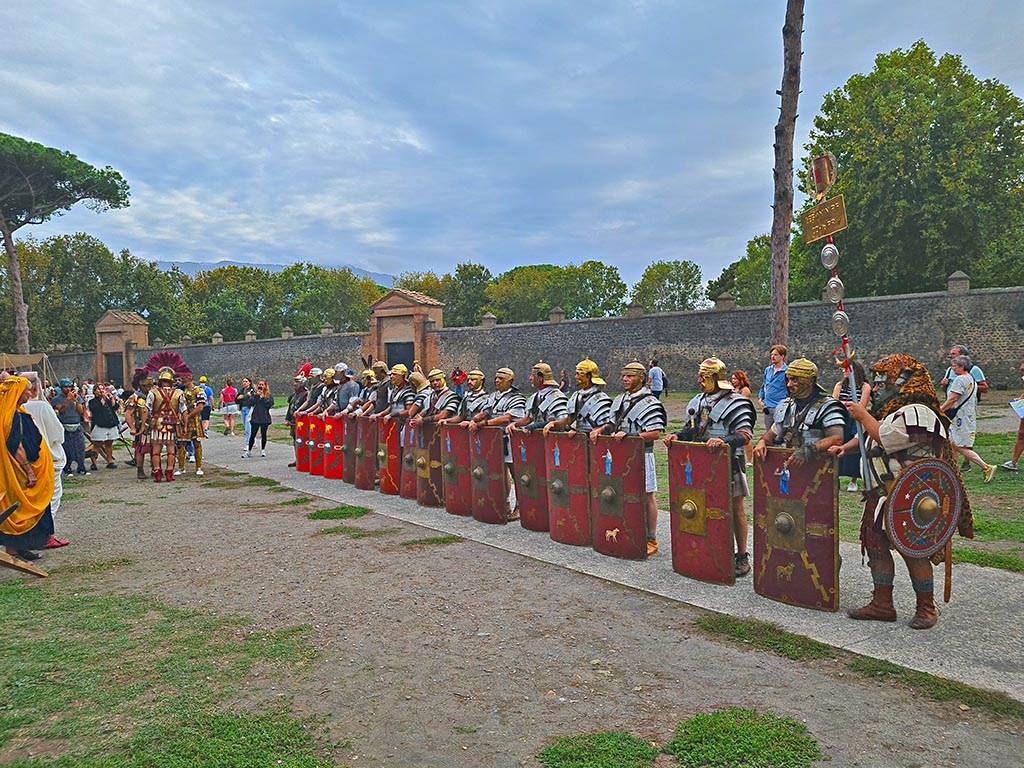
(582, 468)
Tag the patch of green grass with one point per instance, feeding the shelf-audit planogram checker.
(743, 738)
(297, 501)
(125, 681)
(599, 750)
(766, 637)
(72, 495)
(280, 489)
(358, 533)
(466, 729)
(99, 566)
(112, 501)
(940, 689)
(267, 482)
(1003, 560)
(344, 512)
(998, 529)
(432, 541)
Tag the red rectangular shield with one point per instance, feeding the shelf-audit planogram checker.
(429, 476)
(334, 441)
(365, 453)
(389, 463)
(301, 444)
(617, 482)
(316, 448)
(530, 474)
(351, 437)
(700, 498)
(458, 488)
(796, 530)
(489, 476)
(567, 462)
(407, 483)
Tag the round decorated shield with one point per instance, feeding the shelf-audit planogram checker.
(923, 508)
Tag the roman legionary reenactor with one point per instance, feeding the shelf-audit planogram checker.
(190, 430)
(167, 409)
(904, 428)
(638, 412)
(476, 400)
(137, 415)
(507, 404)
(719, 416)
(588, 406)
(328, 395)
(809, 420)
(381, 389)
(315, 387)
(440, 402)
(546, 404)
(401, 401)
(295, 401)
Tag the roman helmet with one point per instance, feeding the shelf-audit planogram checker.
(587, 373)
(380, 370)
(898, 380)
(802, 379)
(712, 376)
(543, 370)
(399, 374)
(367, 377)
(436, 378)
(418, 381)
(475, 379)
(166, 376)
(316, 372)
(633, 376)
(329, 376)
(503, 379)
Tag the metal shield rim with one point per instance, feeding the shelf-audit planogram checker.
(906, 472)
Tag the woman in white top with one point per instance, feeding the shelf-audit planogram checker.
(961, 407)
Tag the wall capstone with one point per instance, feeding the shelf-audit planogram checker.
(287, 332)
(250, 335)
(489, 320)
(725, 302)
(556, 315)
(958, 282)
(217, 338)
(326, 329)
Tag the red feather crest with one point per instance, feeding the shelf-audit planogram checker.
(167, 359)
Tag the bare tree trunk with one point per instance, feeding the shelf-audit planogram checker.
(17, 293)
(782, 220)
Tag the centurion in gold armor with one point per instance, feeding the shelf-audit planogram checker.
(167, 410)
(191, 428)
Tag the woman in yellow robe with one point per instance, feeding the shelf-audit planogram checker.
(26, 474)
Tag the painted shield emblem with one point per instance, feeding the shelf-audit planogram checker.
(923, 508)
(529, 472)
(700, 498)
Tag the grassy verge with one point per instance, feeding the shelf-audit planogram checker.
(297, 501)
(100, 566)
(735, 737)
(599, 750)
(126, 681)
(344, 512)
(354, 532)
(432, 541)
(770, 637)
(1007, 561)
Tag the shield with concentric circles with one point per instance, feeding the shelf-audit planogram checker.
(923, 507)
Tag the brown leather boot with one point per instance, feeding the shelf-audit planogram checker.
(879, 609)
(927, 615)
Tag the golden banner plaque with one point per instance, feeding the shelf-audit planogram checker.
(825, 219)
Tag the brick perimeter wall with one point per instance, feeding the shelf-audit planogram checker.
(923, 325)
(989, 321)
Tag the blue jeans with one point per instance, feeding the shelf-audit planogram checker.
(246, 410)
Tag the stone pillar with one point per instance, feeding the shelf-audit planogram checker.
(635, 310)
(326, 329)
(186, 341)
(725, 302)
(130, 347)
(489, 320)
(287, 332)
(958, 282)
(158, 342)
(250, 335)
(556, 315)
(217, 338)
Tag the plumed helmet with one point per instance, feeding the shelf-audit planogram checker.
(166, 374)
(588, 366)
(715, 369)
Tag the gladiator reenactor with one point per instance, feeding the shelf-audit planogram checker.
(546, 404)
(588, 407)
(809, 420)
(506, 405)
(167, 410)
(719, 416)
(638, 412)
(904, 428)
(137, 415)
(190, 430)
(440, 402)
(475, 401)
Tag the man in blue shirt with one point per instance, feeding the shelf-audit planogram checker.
(208, 408)
(773, 390)
(656, 379)
(976, 373)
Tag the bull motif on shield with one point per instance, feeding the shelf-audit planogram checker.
(796, 530)
(619, 519)
(700, 495)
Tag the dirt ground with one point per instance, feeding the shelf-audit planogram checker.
(462, 655)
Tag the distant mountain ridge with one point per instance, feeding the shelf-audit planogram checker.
(192, 268)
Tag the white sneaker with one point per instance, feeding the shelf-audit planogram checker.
(199, 472)
(263, 454)
(191, 459)
(177, 473)
(1010, 465)
(245, 454)
(852, 487)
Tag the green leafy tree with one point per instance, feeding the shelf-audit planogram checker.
(312, 295)
(931, 162)
(669, 286)
(36, 184)
(235, 299)
(724, 283)
(433, 285)
(590, 289)
(466, 297)
(525, 294)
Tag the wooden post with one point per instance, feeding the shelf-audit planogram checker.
(782, 219)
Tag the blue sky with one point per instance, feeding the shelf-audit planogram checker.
(414, 135)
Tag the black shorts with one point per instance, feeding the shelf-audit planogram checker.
(206, 413)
